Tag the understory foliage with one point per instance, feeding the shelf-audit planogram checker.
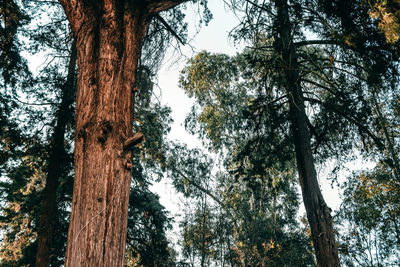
(369, 219)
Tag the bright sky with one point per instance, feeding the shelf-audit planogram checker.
(213, 38)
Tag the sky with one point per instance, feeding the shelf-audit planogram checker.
(213, 38)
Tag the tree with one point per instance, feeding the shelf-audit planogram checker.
(109, 37)
(305, 85)
(48, 115)
(52, 170)
(249, 215)
(318, 73)
(252, 222)
(56, 166)
(318, 213)
(12, 18)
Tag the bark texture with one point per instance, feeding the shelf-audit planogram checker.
(109, 36)
(318, 213)
(48, 216)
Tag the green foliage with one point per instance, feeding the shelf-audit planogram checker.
(35, 101)
(147, 244)
(244, 213)
(263, 222)
(369, 219)
(253, 225)
(12, 18)
(12, 66)
(256, 197)
(346, 65)
(19, 212)
(241, 107)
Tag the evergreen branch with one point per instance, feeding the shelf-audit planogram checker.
(261, 7)
(330, 90)
(345, 115)
(166, 25)
(202, 189)
(317, 42)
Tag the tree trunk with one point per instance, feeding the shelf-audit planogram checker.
(56, 161)
(318, 213)
(203, 228)
(108, 52)
(109, 36)
(388, 137)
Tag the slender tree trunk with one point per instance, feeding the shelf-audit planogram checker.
(203, 232)
(387, 136)
(318, 213)
(56, 161)
(109, 35)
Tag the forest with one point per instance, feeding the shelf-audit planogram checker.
(311, 98)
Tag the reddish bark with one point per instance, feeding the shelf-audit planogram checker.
(109, 36)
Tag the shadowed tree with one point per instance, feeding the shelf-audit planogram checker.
(56, 167)
(153, 31)
(12, 68)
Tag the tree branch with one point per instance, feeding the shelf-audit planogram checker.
(317, 42)
(331, 90)
(166, 25)
(155, 7)
(342, 113)
(202, 189)
(134, 140)
(261, 7)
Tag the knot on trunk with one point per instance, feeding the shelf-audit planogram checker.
(105, 129)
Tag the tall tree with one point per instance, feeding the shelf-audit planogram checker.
(318, 213)
(45, 113)
(19, 222)
(12, 68)
(109, 36)
(319, 78)
(56, 166)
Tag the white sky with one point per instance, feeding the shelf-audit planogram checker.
(213, 38)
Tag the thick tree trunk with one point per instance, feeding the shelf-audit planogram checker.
(108, 52)
(56, 161)
(109, 36)
(318, 213)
